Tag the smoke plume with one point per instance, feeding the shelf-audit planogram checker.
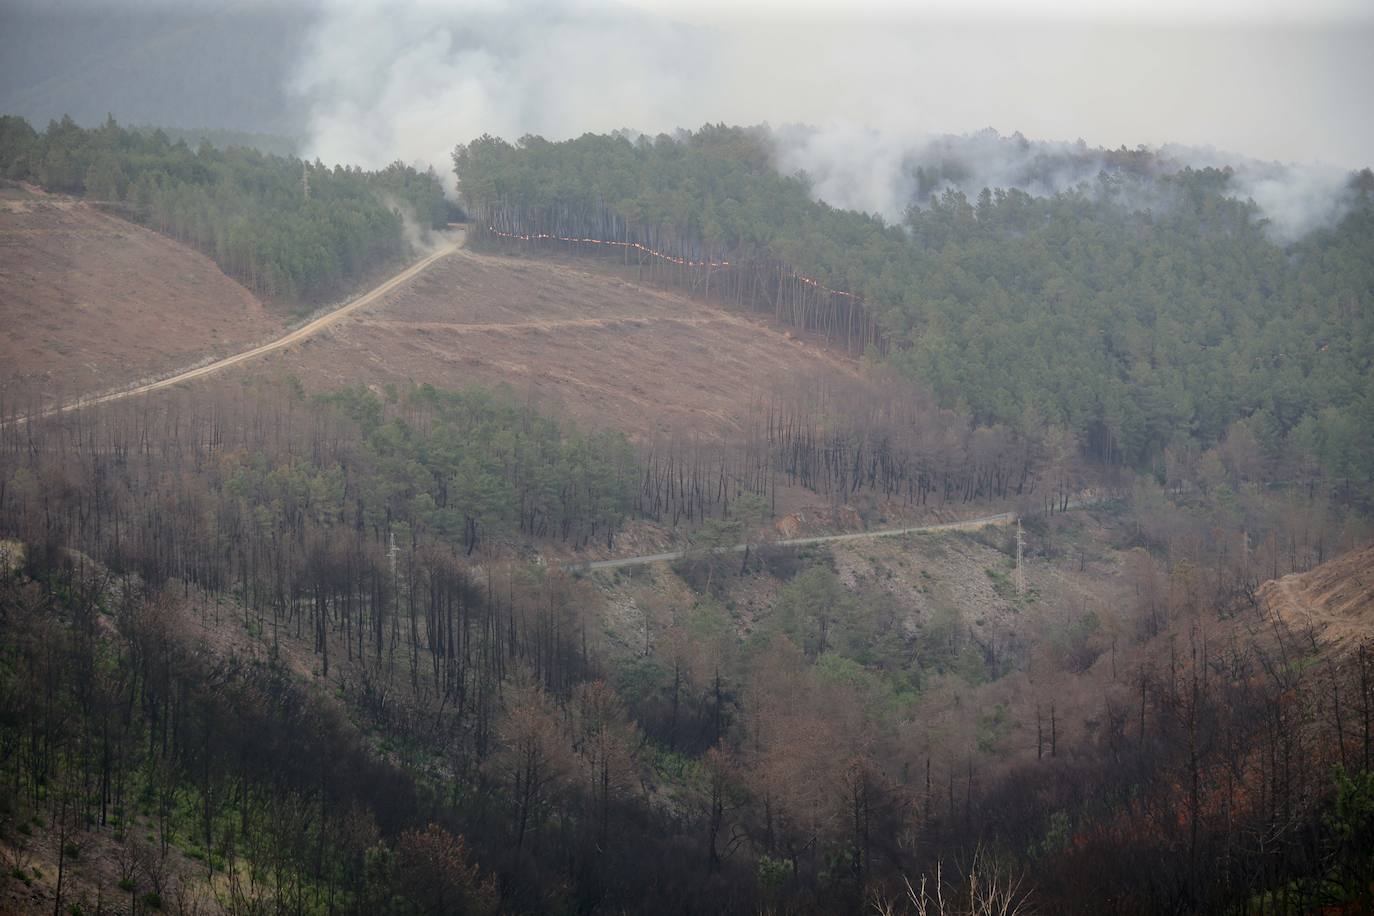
(885, 172)
(382, 82)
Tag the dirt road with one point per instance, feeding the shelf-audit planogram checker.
(307, 330)
(92, 303)
(1002, 518)
(972, 524)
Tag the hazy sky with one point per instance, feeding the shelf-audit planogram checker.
(1188, 12)
(1269, 79)
(1270, 93)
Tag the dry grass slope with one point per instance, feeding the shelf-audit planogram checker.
(90, 302)
(604, 350)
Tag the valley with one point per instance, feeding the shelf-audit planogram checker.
(663, 539)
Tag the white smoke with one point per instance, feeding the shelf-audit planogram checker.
(1295, 199)
(885, 172)
(851, 165)
(385, 81)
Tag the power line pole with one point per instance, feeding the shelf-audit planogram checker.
(305, 178)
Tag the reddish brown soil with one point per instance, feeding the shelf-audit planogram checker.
(604, 350)
(90, 302)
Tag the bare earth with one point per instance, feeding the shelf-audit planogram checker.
(93, 304)
(603, 350)
(90, 302)
(1336, 599)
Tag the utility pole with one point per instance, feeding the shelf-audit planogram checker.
(1020, 552)
(305, 178)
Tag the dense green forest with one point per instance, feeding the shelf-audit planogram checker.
(285, 228)
(1150, 316)
(468, 465)
(221, 138)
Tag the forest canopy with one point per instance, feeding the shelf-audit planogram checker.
(284, 227)
(349, 650)
(1145, 312)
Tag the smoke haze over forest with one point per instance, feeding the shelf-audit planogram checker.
(885, 171)
(882, 89)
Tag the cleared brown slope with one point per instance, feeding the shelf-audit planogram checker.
(606, 351)
(1336, 600)
(93, 304)
(90, 302)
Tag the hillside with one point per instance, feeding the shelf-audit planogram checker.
(604, 350)
(383, 603)
(92, 302)
(1334, 602)
(349, 545)
(609, 352)
(1137, 312)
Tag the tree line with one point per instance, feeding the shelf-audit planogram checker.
(606, 197)
(284, 227)
(477, 467)
(1149, 310)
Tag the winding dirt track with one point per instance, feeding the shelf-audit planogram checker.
(971, 524)
(1002, 518)
(306, 330)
